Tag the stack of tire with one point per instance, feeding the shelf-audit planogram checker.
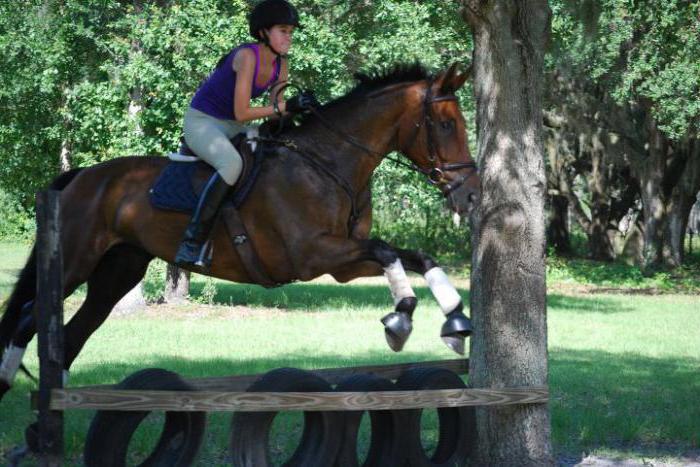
(328, 439)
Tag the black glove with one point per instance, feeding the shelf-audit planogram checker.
(302, 102)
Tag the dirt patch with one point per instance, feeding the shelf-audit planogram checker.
(655, 459)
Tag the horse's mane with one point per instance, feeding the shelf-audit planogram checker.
(397, 74)
(368, 83)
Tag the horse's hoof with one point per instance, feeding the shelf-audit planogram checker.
(455, 343)
(397, 328)
(456, 328)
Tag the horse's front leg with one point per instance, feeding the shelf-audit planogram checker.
(457, 326)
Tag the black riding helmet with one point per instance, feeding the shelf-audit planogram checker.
(269, 13)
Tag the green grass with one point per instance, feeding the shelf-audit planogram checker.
(624, 369)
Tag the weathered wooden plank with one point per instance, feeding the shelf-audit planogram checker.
(49, 307)
(211, 401)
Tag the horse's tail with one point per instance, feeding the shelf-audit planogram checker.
(25, 288)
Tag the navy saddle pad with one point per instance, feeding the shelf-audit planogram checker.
(174, 190)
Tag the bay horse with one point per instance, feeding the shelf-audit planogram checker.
(306, 216)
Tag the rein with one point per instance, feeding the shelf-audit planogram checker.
(434, 174)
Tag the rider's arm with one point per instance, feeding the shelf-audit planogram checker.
(244, 66)
(281, 81)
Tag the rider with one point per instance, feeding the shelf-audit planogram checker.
(222, 105)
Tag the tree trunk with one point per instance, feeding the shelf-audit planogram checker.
(558, 230)
(683, 197)
(659, 176)
(177, 284)
(65, 156)
(508, 292)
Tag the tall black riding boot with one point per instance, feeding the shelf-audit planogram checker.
(190, 251)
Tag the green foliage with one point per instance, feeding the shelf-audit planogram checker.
(639, 50)
(15, 223)
(106, 79)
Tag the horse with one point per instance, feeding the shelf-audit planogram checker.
(309, 213)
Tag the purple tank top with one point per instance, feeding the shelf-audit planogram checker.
(215, 96)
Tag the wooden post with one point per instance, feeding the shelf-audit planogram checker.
(49, 315)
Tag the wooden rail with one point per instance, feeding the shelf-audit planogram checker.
(209, 401)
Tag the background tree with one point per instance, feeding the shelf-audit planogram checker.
(639, 62)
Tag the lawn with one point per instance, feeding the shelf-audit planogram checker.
(624, 368)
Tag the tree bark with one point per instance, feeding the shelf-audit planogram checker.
(659, 175)
(177, 284)
(508, 291)
(683, 198)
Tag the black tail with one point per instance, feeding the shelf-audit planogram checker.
(25, 288)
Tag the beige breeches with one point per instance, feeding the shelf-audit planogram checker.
(209, 138)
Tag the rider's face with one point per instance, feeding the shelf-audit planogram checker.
(280, 36)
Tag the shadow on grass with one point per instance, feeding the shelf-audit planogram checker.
(589, 304)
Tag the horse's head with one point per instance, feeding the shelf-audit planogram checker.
(433, 135)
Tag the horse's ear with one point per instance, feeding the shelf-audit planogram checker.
(451, 80)
(461, 78)
(445, 78)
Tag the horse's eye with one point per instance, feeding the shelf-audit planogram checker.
(447, 125)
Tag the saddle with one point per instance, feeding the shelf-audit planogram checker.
(181, 182)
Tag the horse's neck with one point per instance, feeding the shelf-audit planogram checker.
(373, 127)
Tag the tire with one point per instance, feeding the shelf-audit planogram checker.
(250, 431)
(385, 448)
(110, 432)
(457, 431)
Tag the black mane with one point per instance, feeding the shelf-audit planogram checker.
(369, 83)
(399, 73)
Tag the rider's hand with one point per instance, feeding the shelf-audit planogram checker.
(301, 102)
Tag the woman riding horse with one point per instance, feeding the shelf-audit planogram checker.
(222, 104)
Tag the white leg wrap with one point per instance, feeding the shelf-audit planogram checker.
(446, 295)
(11, 360)
(398, 282)
(66, 375)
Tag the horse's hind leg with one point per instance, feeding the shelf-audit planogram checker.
(119, 270)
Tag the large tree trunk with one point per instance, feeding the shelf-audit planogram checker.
(508, 292)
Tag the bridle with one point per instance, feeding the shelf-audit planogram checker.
(436, 172)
